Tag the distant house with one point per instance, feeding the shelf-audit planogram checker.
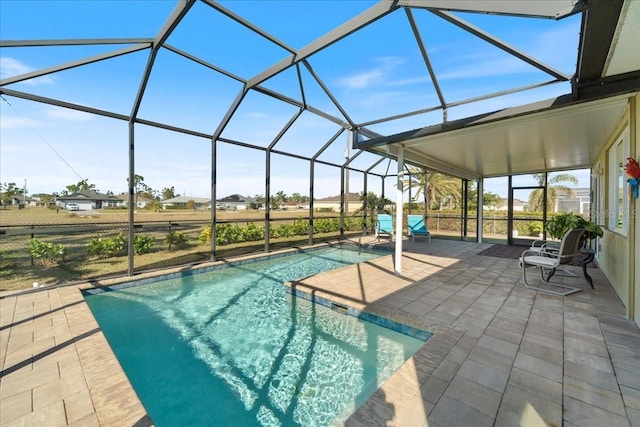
(19, 200)
(518, 206)
(182, 201)
(235, 202)
(86, 200)
(352, 199)
(579, 202)
(123, 201)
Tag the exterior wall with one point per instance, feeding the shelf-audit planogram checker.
(617, 253)
(614, 262)
(635, 208)
(353, 206)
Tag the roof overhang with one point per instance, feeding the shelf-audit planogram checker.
(555, 134)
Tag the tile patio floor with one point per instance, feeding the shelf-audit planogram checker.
(501, 354)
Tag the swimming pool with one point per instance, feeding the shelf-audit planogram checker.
(230, 347)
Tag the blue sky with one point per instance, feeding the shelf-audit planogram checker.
(374, 73)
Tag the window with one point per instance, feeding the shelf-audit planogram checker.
(618, 217)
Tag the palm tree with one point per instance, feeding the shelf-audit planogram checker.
(439, 188)
(554, 189)
(372, 204)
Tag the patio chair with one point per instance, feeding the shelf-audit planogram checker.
(417, 227)
(550, 245)
(384, 226)
(549, 258)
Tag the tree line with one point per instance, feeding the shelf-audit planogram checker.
(442, 192)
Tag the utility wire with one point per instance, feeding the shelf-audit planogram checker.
(41, 137)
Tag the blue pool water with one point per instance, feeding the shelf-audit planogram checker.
(230, 347)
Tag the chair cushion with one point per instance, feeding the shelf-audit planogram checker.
(540, 260)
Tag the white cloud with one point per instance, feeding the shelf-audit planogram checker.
(362, 80)
(373, 77)
(257, 115)
(15, 122)
(11, 67)
(490, 66)
(67, 114)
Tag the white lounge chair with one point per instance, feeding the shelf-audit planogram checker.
(549, 258)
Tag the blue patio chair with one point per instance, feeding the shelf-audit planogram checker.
(417, 227)
(384, 226)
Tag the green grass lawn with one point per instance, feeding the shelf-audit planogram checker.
(19, 271)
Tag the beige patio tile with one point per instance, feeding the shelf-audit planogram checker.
(596, 377)
(15, 406)
(79, 406)
(589, 360)
(487, 376)
(50, 415)
(535, 349)
(529, 406)
(90, 420)
(451, 412)
(535, 384)
(475, 395)
(538, 366)
(498, 345)
(412, 412)
(527, 416)
(26, 379)
(594, 396)
(584, 414)
(56, 391)
(631, 397)
(491, 358)
(433, 388)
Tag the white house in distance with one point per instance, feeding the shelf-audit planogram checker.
(86, 200)
(518, 206)
(579, 202)
(333, 203)
(140, 201)
(235, 202)
(182, 201)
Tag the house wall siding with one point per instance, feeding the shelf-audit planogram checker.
(617, 252)
(634, 207)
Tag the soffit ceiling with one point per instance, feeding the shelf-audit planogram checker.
(545, 136)
(558, 134)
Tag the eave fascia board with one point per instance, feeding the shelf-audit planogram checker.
(551, 9)
(421, 160)
(488, 120)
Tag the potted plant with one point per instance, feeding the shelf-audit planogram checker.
(559, 224)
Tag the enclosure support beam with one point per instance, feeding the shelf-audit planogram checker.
(214, 195)
(479, 213)
(312, 173)
(465, 209)
(131, 231)
(399, 191)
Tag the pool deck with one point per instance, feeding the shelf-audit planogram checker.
(501, 354)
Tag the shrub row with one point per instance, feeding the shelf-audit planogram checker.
(106, 247)
(228, 233)
(102, 247)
